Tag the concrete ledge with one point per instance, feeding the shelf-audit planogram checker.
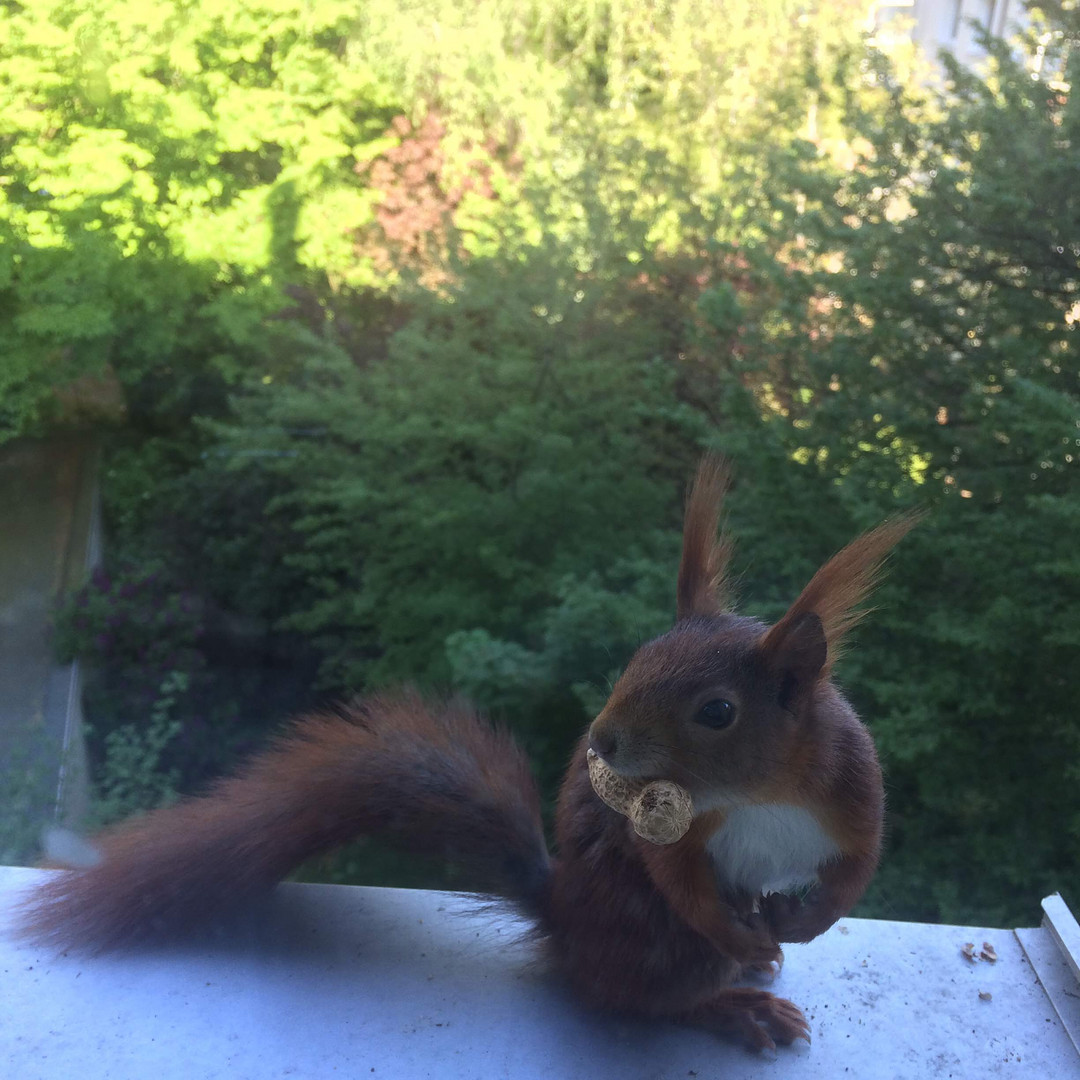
(341, 981)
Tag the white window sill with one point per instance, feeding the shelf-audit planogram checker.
(357, 982)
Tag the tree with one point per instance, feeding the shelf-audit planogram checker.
(929, 353)
(423, 314)
(167, 169)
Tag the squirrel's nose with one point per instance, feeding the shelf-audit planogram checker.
(603, 741)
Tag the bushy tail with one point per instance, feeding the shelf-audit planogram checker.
(438, 780)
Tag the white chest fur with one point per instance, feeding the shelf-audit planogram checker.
(769, 848)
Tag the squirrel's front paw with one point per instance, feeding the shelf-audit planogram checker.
(755, 944)
(766, 972)
(794, 918)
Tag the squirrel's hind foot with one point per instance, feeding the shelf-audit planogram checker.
(756, 1018)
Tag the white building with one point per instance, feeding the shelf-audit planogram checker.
(949, 24)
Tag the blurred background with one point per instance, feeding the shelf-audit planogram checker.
(346, 344)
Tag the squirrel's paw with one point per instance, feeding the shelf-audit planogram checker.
(767, 970)
(753, 944)
(794, 918)
(756, 1018)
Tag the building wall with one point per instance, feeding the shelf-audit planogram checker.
(949, 24)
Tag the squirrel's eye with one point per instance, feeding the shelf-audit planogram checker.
(716, 714)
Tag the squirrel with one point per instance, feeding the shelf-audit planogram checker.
(786, 787)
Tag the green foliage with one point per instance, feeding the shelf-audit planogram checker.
(931, 352)
(165, 166)
(28, 781)
(423, 312)
(470, 509)
(133, 775)
(132, 620)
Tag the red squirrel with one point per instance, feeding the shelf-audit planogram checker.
(786, 788)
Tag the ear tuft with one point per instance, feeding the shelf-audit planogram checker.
(705, 556)
(840, 586)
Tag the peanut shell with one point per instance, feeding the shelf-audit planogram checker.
(660, 811)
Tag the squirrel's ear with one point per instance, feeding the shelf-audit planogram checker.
(797, 655)
(836, 591)
(701, 587)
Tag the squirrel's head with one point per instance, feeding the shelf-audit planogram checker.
(721, 703)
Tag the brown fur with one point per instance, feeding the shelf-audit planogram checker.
(842, 584)
(652, 930)
(701, 587)
(437, 780)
